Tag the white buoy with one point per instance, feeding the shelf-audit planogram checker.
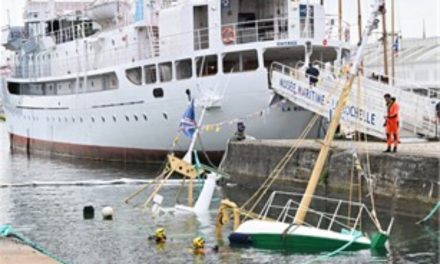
(107, 213)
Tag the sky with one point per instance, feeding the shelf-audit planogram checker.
(410, 14)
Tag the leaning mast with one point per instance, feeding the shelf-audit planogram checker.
(323, 154)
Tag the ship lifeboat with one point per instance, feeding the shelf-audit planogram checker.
(106, 10)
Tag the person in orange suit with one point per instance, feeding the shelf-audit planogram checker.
(392, 122)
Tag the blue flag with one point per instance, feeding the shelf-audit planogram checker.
(188, 121)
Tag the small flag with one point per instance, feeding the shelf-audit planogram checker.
(188, 122)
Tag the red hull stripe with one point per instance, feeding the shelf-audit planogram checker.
(32, 145)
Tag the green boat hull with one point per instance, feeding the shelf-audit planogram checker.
(298, 243)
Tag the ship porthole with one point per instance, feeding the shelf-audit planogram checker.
(165, 116)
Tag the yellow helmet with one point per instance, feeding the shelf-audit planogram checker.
(160, 231)
(198, 242)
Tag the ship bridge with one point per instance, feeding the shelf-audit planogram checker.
(365, 109)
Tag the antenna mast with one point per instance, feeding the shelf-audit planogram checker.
(385, 42)
(393, 47)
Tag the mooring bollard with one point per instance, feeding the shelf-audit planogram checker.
(107, 213)
(88, 212)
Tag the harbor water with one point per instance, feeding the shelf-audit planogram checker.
(43, 198)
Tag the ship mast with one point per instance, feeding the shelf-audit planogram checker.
(340, 19)
(393, 49)
(343, 98)
(385, 50)
(359, 20)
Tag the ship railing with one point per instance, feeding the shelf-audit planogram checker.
(61, 64)
(329, 213)
(278, 29)
(336, 31)
(417, 112)
(255, 31)
(124, 52)
(201, 38)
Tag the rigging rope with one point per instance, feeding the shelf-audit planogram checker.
(7, 231)
(431, 214)
(284, 161)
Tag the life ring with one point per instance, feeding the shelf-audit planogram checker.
(228, 35)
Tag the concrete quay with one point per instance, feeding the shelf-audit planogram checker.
(13, 252)
(413, 173)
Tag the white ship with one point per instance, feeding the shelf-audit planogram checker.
(111, 79)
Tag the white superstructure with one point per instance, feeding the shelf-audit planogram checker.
(111, 79)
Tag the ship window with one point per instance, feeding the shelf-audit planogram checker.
(158, 93)
(183, 69)
(66, 120)
(150, 74)
(93, 119)
(127, 118)
(114, 118)
(103, 119)
(166, 71)
(206, 65)
(240, 61)
(73, 119)
(134, 75)
(81, 119)
(145, 117)
(136, 118)
(14, 88)
(165, 116)
(109, 81)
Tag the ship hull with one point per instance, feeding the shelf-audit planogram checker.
(282, 236)
(127, 124)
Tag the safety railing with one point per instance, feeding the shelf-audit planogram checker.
(201, 39)
(336, 31)
(255, 31)
(329, 213)
(417, 112)
(126, 52)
